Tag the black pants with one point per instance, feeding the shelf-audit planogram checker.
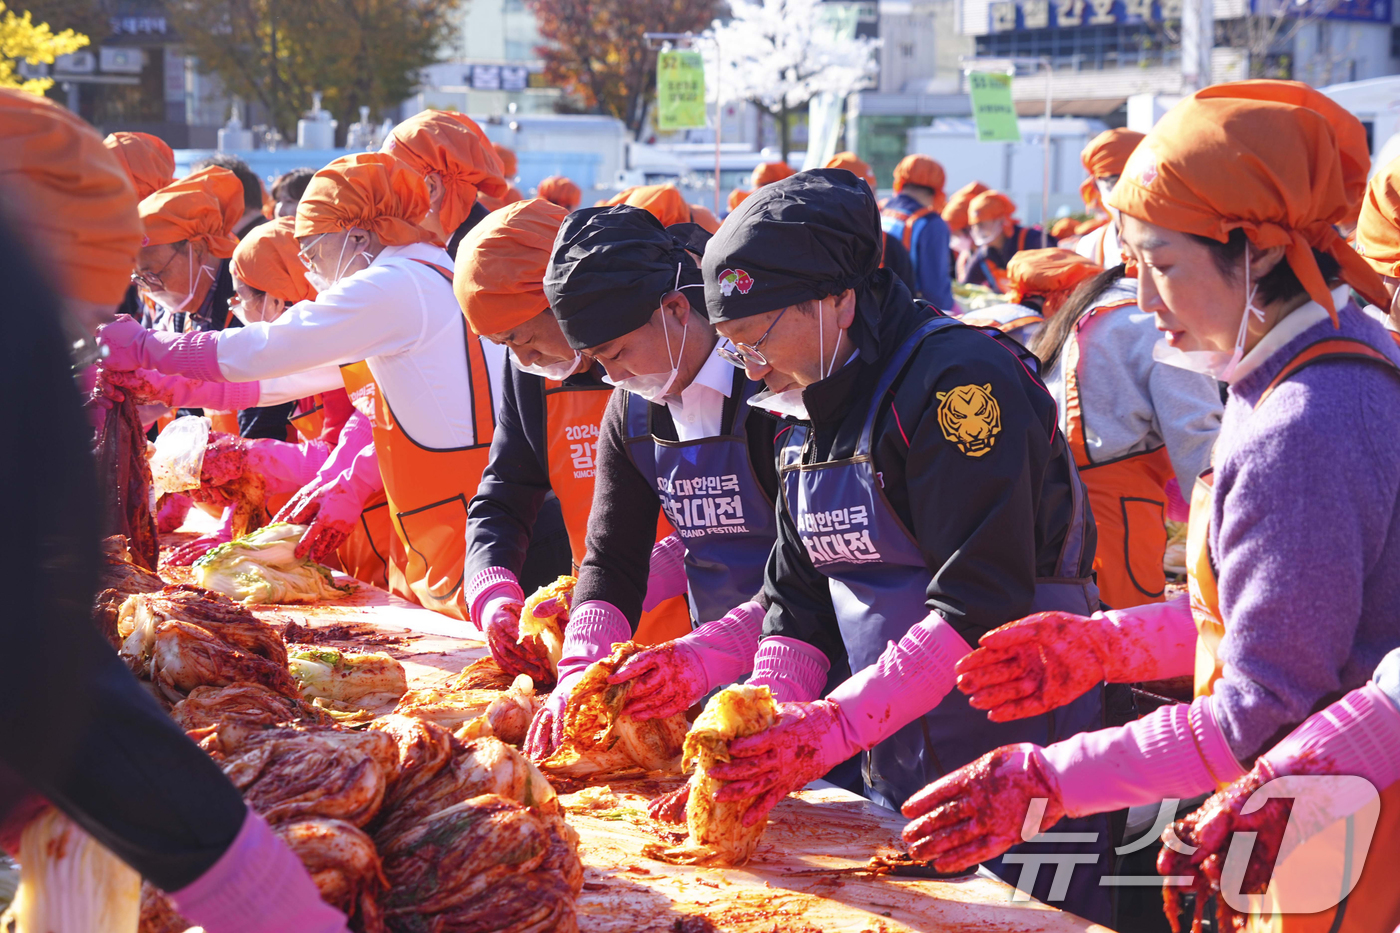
(549, 557)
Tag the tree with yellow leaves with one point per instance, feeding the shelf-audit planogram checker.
(21, 39)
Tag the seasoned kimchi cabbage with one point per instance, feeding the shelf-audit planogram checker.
(262, 567)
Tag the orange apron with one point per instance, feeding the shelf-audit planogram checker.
(428, 488)
(572, 417)
(1373, 906)
(309, 419)
(1127, 496)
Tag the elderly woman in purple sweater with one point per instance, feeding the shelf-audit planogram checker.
(1227, 210)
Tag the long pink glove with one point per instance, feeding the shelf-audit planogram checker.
(670, 678)
(667, 576)
(285, 466)
(332, 501)
(793, 670)
(191, 551)
(257, 886)
(594, 627)
(150, 387)
(1042, 662)
(910, 678)
(128, 346)
(495, 598)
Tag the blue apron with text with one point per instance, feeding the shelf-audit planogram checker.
(879, 588)
(713, 499)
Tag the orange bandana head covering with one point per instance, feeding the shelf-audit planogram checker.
(1065, 226)
(765, 173)
(736, 197)
(1053, 274)
(1378, 229)
(705, 217)
(453, 147)
(149, 162)
(955, 214)
(1105, 156)
(203, 207)
(991, 205)
(509, 163)
(921, 170)
(72, 196)
(1273, 158)
(371, 191)
(499, 280)
(559, 190)
(855, 165)
(267, 259)
(665, 202)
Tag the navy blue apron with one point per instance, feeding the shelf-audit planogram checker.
(879, 584)
(715, 502)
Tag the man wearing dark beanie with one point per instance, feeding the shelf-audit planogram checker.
(676, 436)
(926, 498)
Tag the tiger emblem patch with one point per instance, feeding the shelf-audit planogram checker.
(970, 417)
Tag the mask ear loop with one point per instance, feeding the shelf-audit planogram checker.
(1249, 308)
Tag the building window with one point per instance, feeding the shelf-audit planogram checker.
(1088, 48)
(1395, 41)
(906, 49)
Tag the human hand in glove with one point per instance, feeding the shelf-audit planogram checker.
(807, 741)
(594, 627)
(500, 621)
(149, 387)
(332, 507)
(547, 728)
(129, 346)
(173, 510)
(977, 812)
(191, 551)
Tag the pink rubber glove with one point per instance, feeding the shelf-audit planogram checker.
(667, 577)
(333, 507)
(285, 466)
(191, 551)
(1178, 509)
(910, 678)
(978, 811)
(594, 627)
(257, 886)
(172, 512)
(495, 599)
(131, 346)
(1044, 661)
(150, 387)
(793, 670)
(670, 678)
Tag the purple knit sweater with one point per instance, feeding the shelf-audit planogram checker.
(1305, 535)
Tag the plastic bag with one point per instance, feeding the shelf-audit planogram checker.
(179, 456)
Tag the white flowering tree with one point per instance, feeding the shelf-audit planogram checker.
(779, 54)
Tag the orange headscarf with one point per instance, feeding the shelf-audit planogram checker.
(990, 205)
(920, 170)
(1063, 227)
(71, 194)
(1378, 229)
(1106, 155)
(855, 165)
(203, 207)
(736, 197)
(1273, 158)
(499, 280)
(665, 202)
(765, 173)
(1053, 274)
(559, 190)
(149, 162)
(955, 214)
(267, 260)
(509, 163)
(370, 191)
(699, 214)
(451, 146)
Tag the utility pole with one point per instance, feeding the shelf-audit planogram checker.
(1197, 41)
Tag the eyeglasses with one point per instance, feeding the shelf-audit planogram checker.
(304, 256)
(745, 354)
(152, 280)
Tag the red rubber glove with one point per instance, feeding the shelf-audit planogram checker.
(807, 741)
(977, 812)
(500, 620)
(1042, 662)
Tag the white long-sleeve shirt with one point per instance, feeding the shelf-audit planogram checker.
(397, 315)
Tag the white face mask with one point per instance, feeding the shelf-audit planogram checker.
(1215, 363)
(321, 283)
(194, 287)
(656, 387)
(790, 402)
(557, 372)
(982, 237)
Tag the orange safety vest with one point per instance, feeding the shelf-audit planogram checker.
(1373, 906)
(428, 488)
(996, 276)
(572, 417)
(901, 223)
(309, 417)
(1127, 495)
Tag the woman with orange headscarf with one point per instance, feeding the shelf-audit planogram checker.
(959, 227)
(895, 257)
(1377, 239)
(1104, 159)
(90, 738)
(1040, 282)
(459, 166)
(150, 164)
(997, 237)
(556, 189)
(1228, 208)
(510, 166)
(384, 315)
(913, 217)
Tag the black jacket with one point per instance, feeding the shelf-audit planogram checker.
(988, 525)
(622, 525)
(1018, 239)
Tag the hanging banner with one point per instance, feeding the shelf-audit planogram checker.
(680, 91)
(992, 109)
